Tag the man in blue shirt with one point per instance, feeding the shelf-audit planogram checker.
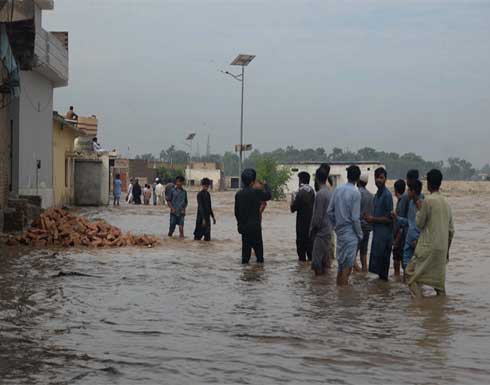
(379, 261)
(177, 202)
(344, 213)
(117, 189)
(409, 222)
(399, 231)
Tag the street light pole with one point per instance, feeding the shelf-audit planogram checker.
(190, 138)
(242, 61)
(240, 164)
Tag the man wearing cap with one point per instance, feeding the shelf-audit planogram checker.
(366, 209)
(302, 204)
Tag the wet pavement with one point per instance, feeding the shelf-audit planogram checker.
(187, 312)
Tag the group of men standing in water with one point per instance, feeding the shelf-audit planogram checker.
(418, 232)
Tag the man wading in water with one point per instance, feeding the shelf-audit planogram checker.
(177, 202)
(379, 261)
(345, 216)
(204, 213)
(302, 203)
(435, 222)
(321, 229)
(247, 212)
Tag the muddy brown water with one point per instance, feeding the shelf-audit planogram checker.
(187, 312)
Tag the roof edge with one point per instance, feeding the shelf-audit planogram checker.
(335, 163)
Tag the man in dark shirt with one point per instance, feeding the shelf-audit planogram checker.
(399, 232)
(204, 213)
(382, 220)
(247, 212)
(302, 203)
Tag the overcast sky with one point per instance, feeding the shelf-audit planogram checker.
(396, 75)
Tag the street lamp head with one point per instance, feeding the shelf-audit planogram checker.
(190, 136)
(242, 60)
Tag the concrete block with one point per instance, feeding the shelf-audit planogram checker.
(13, 220)
(34, 200)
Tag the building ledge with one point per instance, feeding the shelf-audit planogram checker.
(45, 4)
(52, 56)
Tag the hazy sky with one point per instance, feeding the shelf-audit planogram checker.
(396, 75)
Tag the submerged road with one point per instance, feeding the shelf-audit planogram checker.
(187, 312)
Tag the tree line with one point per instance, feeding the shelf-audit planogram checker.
(454, 168)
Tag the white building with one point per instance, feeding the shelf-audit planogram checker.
(338, 172)
(31, 113)
(201, 170)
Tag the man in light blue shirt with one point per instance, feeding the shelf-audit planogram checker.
(415, 194)
(344, 213)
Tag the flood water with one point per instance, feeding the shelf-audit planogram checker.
(188, 313)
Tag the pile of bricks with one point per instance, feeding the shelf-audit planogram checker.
(57, 227)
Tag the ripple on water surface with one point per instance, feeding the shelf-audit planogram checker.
(187, 313)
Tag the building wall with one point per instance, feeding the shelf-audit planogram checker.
(63, 141)
(338, 173)
(92, 181)
(138, 168)
(194, 177)
(5, 146)
(34, 136)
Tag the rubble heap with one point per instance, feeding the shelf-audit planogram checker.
(57, 227)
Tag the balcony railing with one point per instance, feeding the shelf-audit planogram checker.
(52, 56)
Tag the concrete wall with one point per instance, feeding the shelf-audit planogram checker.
(92, 181)
(63, 141)
(34, 136)
(5, 145)
(138, 168)
(88, 177)
(337, 171)
(194, 177)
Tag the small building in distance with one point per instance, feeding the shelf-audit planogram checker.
(64, 137)
(338, 172)
(80, 174)
(211, 170)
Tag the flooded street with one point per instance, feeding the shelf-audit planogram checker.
(187, 312)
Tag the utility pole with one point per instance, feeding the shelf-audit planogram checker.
(242, 61)
(208, 147)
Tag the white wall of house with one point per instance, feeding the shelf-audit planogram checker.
(35, 136)
(32, 114)
(198, 174)
(337, 171)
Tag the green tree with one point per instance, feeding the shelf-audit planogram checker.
(147, 156)
(277, 178)
(169, 174)
(174, 156)
(230, 163)
(459, 169)
(485, 169)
